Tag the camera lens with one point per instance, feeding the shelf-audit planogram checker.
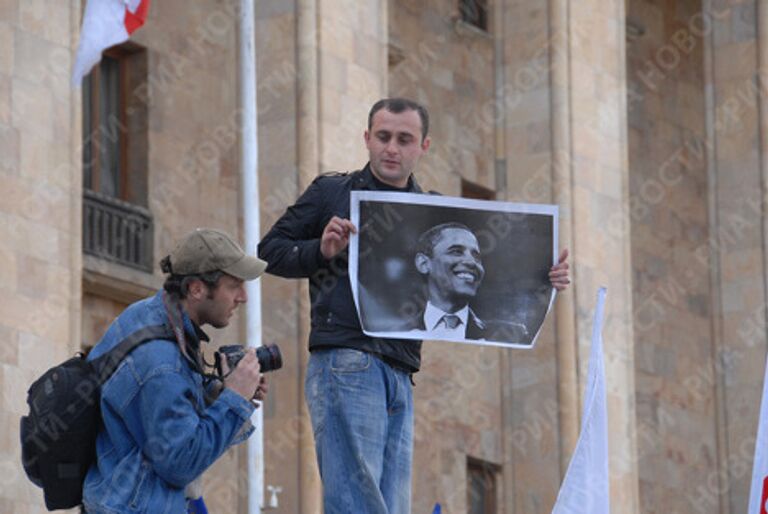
(269, 357)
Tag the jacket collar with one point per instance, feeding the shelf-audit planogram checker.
(366, 181)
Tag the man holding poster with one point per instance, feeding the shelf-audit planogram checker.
(358, 388)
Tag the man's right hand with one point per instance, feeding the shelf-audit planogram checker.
(246, 377)
(336, 236)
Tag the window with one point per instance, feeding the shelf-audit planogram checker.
(481, 487)
(475, 13)
(115, 126)
(116, 224)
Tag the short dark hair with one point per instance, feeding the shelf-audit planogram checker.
(178, 285)
(427, 240)
(398, 105)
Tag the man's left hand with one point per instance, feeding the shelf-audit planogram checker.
(558, 274)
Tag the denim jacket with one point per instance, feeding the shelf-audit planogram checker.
(157, 434)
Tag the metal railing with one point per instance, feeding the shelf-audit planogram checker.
(117, 231)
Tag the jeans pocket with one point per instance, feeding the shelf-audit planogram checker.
(348, 360)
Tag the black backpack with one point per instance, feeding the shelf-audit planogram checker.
(58, 437)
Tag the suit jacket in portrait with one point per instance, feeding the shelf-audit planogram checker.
(477, 329)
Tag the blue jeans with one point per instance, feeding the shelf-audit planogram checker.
(362, 418)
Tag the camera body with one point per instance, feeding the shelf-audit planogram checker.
(269, 357)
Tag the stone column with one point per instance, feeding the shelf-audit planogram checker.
(592, 149)
(736, 84)
(307, 145)
(568, 392)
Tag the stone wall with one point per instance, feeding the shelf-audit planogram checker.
(447, 65)
(736, 244)
(40, 186)
(671, 287)
(653, 152)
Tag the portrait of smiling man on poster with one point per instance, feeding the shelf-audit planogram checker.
(452, 269)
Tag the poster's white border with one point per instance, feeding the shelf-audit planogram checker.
(444, 201)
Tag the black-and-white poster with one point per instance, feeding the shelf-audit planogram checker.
(452, 269)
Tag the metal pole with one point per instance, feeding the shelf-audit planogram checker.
(249, 186)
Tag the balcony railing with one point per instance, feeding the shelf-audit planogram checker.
(117, 231)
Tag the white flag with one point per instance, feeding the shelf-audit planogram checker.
(758, 494)
(585, 488)
(106, 23)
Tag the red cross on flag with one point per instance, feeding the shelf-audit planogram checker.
(106, 23)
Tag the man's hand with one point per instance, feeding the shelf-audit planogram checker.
(336, 236)
(262, 390)
(558, 274)
(246, 378)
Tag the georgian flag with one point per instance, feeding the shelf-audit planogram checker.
(585, 488)
(106, 23)
(758, 495)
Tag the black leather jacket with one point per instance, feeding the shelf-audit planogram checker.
(292, 249)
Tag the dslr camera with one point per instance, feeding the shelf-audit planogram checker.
(269, 357)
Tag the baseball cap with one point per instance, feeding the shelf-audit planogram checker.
(207, 249)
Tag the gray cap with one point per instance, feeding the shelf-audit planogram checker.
(206, 249)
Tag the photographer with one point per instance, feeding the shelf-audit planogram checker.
(163, 425)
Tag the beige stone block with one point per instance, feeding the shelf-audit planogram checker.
(30, 201)
(15, 383)
(10, 150)
(331, 106)
(46, 19)
(528, 106)
(367, 16)
(517, 139)
(32, 16)
(36, 156)
(31, 239)
(341, 151)
(333, 72)
(37, 354)
(32, 109)
(32, 278)
(734, 61)
(5, 102)
(337, 39)
(9, 349)
(9, 441)
(529, 178)
(7, 33)
(60, 280)
(38, 60)
(369, 53)
(26, 497)
(364, 86)
(9, 10)
(341, 12)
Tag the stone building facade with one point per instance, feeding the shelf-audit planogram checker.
(644, 120)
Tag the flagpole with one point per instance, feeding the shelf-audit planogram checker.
(249, 147)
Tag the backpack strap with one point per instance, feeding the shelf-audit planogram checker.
(106, 364)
